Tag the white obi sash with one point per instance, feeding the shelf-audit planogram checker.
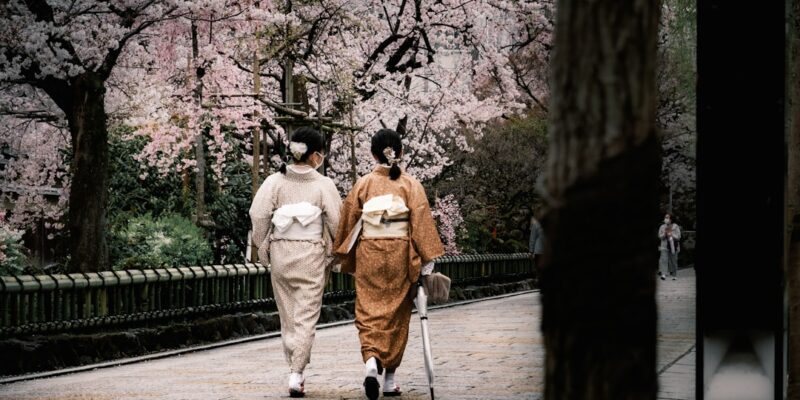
(381, 217)
(300, 221)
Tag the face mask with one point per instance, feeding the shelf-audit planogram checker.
(321, 161)
(666, 220)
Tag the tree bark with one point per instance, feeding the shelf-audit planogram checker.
(793, 210)
(200, 154)
(601, 188)
(88, 197)
(353, 160)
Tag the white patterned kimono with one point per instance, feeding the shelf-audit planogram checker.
(294, 217)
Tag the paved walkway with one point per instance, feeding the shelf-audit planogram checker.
(486, 350)
(676, 332)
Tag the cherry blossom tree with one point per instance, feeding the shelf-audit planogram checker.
(529, 49)
(199, 78)
(67, 50)
(422, 65)
(34, 172)
(447, 213)
(375, 65)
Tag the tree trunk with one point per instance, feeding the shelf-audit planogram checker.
(353, 159)
(793, 211)
(200, 154)
(265, 154)
(601, 185)
(255, 167)
(88, 195)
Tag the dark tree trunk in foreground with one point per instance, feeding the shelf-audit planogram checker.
(793, 211)
(598, 277)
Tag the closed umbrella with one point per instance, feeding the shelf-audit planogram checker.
(422, 310)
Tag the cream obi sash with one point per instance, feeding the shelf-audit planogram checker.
(300, 221)
(381, 217)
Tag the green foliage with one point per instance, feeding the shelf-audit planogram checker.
(137, 196)
(677, 76)
(13, 260)
(136, 191)
(169, 241)
(678, 44)
(478, 237)
(129, 194)
(495, 185)
(228, 204)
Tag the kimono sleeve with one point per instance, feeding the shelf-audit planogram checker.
(424, 235)
(261, 212)
(348, 218)
(331, 207)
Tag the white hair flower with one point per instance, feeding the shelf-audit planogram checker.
(298, 149)
(390, 155)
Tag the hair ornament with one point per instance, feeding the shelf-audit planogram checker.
(298, 149)
(390, 155)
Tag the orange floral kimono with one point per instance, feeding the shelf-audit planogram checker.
(386, 268)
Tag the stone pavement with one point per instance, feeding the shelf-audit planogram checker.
(676, 333)
(486, 350)
(467, 341)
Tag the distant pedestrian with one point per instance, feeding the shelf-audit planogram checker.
(535, 243)
(670, 234)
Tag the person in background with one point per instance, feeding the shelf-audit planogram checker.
(670, 233)
(535, 245)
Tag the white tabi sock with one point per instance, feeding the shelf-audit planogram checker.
(371, 367)
(388, 382)
(295, 380)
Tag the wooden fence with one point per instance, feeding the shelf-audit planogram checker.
(49, 303)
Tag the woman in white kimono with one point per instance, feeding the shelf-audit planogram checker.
(295, 214)
(386, 235)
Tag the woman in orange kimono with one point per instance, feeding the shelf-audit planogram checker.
(386, 234)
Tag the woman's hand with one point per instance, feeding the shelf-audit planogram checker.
(427, 269)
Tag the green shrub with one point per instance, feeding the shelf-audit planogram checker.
(12, 252)
(135, 190)
(169, 241)
(228, 205)
(495, 185)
